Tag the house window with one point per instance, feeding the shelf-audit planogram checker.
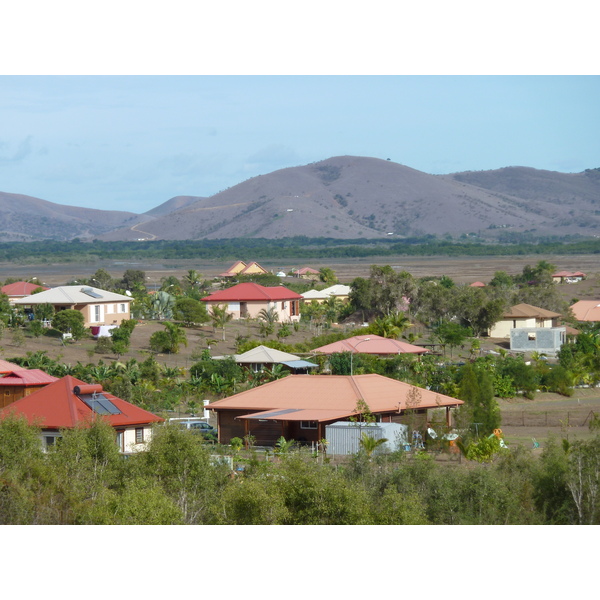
(96, 313)
(122, 308)
(139, 435)
(121, 440)
(50, 441)
(308, 425)
(294, 308)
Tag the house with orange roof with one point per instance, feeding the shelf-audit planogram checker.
(479, 284)
(69, 402)
(19, 382)
(568, 276)
(241, 268)
(371, 344)
(246, 300)
(306, 273)
(587, 310)
(298, 407)
(21, 289)
(523, 315)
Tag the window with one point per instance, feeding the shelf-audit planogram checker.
(120, 440)
(50, 440)
(294, 308)
(139, 435)
(308, 425)
(531, 335)
(97, 311)
(122, 308)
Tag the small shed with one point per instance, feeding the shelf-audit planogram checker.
(343, 436)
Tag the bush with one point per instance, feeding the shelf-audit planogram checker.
(103, 345)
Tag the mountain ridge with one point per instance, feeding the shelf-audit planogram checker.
(345, 197)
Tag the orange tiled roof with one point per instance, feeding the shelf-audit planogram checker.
(21, 288)
(8, 367)
(587, 310)
(335, 395)
(371, 344)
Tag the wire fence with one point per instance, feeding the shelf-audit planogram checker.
(569, 418)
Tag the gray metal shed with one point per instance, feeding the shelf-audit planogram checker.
(344, 436)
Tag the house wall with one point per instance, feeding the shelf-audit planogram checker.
(502, 328)
(539, 339)
(242, 310)
(128, 441)
(12, 393)
(105, 313)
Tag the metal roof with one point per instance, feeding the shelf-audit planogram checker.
(73, 294)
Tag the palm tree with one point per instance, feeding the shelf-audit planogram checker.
(370, 444)
(176, 337)
(220, 317)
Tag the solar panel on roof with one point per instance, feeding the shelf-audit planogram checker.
(91, 292)
(100, 404)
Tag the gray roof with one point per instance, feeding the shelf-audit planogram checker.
(73, 294)
(299, 364)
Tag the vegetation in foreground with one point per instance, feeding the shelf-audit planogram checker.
(180, 480)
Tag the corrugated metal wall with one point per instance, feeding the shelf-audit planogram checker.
(343, 436)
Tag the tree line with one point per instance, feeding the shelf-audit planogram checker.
(294, 248)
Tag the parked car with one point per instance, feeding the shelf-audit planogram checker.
(197, 426)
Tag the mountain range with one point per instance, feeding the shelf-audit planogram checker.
(346, 197)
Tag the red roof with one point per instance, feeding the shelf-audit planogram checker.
(252, 292)
(21, 288)
(8, 367)
(371, 344)
(27, 377)
(477, 284)
(57, 406)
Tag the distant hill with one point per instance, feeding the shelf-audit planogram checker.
(353, 197)
(345, 197)
(24, 218)
(173, 204)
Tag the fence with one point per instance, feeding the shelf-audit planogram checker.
(554, 418)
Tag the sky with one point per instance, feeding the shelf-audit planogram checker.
(125, 105)
(132, 142)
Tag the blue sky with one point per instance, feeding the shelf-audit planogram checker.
(133, 142)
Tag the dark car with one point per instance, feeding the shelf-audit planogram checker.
(208, 431)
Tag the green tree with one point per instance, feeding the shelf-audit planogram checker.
(327, 275)
(133, 279)
(190, 311)
(102, 279)
(169, 340)
(452, 334)
(480, 407)
(70, 321)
